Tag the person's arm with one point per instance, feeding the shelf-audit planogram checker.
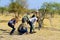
(16, 21)
(13, 19)
(13, 24)
(37, 19)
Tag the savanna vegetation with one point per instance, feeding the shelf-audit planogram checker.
(18, 7)
(48, 14)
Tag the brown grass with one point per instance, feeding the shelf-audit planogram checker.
(48, 32)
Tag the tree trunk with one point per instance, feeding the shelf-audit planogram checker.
(40, 21)
(2, 12)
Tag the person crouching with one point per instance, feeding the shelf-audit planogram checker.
(12, 23)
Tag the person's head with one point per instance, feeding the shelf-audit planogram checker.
(33, 16)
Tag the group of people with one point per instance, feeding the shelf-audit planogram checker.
(21, 29)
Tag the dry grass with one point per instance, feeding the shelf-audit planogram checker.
(48, 32)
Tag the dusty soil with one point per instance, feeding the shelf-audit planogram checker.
(48, 32)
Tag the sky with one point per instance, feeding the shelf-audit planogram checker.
(32, 4)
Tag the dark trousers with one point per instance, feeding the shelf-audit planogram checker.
(31, 26)
(12, 26)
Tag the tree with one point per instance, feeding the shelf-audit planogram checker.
(22, 3)
(16, 7)
(48, 9)
(2, 9)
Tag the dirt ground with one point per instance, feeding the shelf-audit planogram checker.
(48, 32)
